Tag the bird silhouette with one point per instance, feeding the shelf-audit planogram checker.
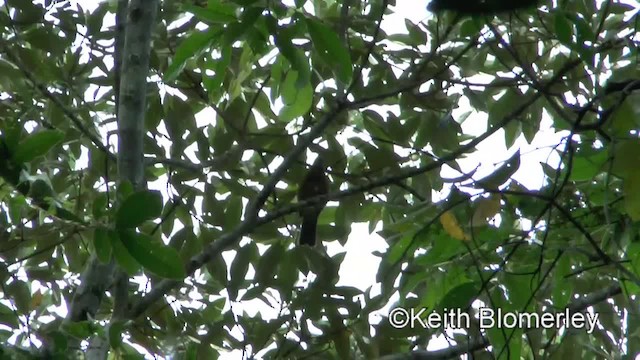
(315, 183)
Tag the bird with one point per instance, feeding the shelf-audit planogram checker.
(315, 183)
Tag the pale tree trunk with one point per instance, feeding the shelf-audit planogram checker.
(131, 68)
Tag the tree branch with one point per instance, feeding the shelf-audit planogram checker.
(252, 219)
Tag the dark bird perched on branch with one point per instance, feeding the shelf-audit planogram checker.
(314, 184)
(479, 7)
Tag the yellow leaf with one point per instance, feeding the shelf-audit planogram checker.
(451, 226)
(36, 300)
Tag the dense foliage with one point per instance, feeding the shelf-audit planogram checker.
(237, 92)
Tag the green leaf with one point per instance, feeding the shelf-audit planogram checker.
(65, 214)
(41, 190)
(122, 256)
(443, 249)
(284, 42)
(138, 208)
(203, 145)
(45, 40)
(504, 106)
(563, 291)
(441, 133)
(587, 167)
(155, 112)
(297, 102)
(192, 46)
(80, 329)
(263, 106)
(470, 28)
(512, 132)
(631, 191)
(625, 117)
(563, 28)
(213, 83)
(239, 268)
(624, 155)
(502, 174)
(583, 29)
(125, 188)
(37, 144)
(9, 75)
(269, 262)
(102, 244)
(215, 13)
(99, 206)
(287, 273)
(399, 248)
(8, 317)
(20, 293)
(191, 246)
(27, 12)
(233, 211)
(217, 269)
(460, 296)
(115, 334)
(418, 36)
(250, 15)
(375, 125)
(96, 18)
(331, 49)
(158, 258)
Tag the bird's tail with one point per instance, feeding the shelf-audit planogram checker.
(308, 230)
